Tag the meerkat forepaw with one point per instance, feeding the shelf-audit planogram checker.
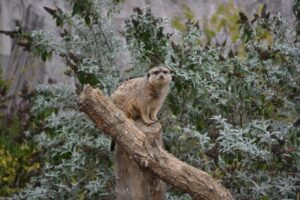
(149, 122)
(154, 118)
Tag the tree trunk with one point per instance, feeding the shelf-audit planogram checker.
(132, 181)
(149, 155)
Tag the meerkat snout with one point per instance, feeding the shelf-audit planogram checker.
(159, 76)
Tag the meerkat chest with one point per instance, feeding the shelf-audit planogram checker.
(155, 98)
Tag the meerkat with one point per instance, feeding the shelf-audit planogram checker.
(143, 97)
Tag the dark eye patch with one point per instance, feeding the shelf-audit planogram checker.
(155, 72)
(165, 72)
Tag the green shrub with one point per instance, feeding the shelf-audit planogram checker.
(230, 112)
(19, 158)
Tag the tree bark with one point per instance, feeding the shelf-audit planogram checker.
(148, 155)
(132, 181)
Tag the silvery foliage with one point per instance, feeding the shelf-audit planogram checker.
(75, 159)
(232, 115)
(96, 46)
(75, 155)
(58, 97)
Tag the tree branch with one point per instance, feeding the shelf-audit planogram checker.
(164, 165)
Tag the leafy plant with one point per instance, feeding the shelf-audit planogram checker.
(296, 10)
(75, 161)
(19, 158)
(231, 112)
(140, 32)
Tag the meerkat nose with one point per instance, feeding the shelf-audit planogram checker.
(161, 76)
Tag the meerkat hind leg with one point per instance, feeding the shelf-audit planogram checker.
(153, 116)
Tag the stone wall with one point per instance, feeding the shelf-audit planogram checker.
(19, 66)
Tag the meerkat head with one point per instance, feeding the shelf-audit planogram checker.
(159, 76)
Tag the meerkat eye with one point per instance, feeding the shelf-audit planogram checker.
(156, 72)
(165, 72)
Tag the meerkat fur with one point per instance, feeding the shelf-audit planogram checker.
(143, 97)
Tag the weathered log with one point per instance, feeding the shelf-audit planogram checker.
(148, 155)
(132, 181)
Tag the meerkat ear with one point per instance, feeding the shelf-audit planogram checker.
(148, 75)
